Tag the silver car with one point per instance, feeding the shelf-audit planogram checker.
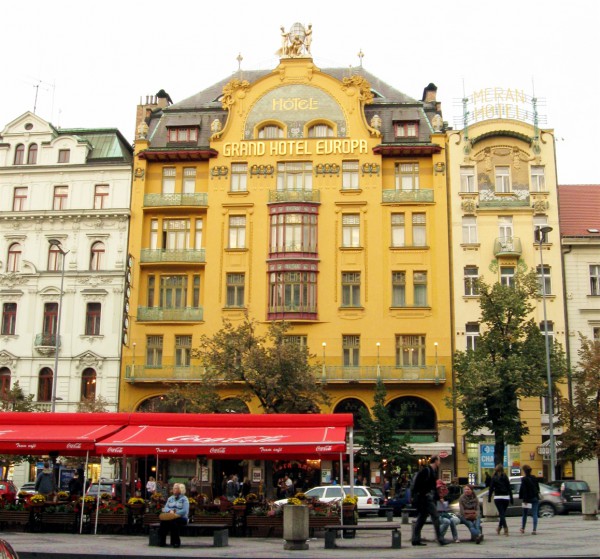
(551, 502)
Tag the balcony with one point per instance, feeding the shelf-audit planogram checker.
(163, 373)
(158, 255)
(427, 374)
(396, 196)
(491, 199)
(162, 314)
(161, 200)
(294, 196)
(507, 246)
(45, 344)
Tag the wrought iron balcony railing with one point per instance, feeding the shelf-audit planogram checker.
(149, 255)
(157, 314)
(507, 246)
(46, 340)
(163, 373)
(427, 373)
(407, 196)
(157, 200)
(294, 196)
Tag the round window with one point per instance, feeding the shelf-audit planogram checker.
(28, 126)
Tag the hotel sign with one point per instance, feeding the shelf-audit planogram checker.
(499, 102)
(329, 146)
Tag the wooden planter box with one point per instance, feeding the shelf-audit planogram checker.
(14, 518)
(112, 522)
(264, 526)
(61, 520)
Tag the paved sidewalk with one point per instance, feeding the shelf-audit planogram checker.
(561, 536)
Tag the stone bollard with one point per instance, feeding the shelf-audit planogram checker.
(405, 516)
(389, 514)
(295, 527)
(490, 512)
(589, 505)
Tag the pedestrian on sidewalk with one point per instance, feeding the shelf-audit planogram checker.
(502, 491)
(529, 493)
(469, 513)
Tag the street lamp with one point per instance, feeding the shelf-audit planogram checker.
(378, 368)
(436, 371)
(56, 243)
(541, 233)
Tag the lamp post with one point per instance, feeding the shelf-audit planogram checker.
(541, 233)
(436, 371)
(324, 372)
(378, 367)
(56, 243)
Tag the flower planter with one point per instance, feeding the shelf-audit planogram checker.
(295, 527)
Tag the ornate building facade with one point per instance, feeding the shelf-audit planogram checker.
(71, 187)
(503, 187)
(314, 196)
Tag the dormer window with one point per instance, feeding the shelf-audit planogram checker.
(406, 129)
(270, 132)
(183, 134)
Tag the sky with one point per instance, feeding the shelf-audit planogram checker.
(85, 64)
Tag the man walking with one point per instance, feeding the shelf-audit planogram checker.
(424, 496)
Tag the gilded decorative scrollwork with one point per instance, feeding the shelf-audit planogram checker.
(360, 84)
(370, 169)
(231, 90)
(327, 169)
(540, 206)
(469, 206)
(261, 170)
(219, 171)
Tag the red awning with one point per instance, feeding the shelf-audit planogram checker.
(70, 434)
(225, 441)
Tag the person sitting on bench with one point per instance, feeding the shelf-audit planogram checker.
(178, 504)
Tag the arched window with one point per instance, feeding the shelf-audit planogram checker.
(88, 384)
(32, 154)
(45, 385)
(4, 382)
(320, 131)
(55, 257)
(270, 132)
(415, 414)
(353, 406)
(97, 256)
(14, 258)
(20, 154)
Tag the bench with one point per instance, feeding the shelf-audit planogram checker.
(219, 532)
(331, 532)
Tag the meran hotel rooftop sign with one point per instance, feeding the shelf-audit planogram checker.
(499, 102)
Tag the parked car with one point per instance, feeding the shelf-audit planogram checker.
(114, 487)
(8, 490)
(551, 503)
(571, 491)
(28, 488)
(368, 497)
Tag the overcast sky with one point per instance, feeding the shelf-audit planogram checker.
(93, 61)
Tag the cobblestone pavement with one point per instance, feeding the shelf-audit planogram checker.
(561, 536)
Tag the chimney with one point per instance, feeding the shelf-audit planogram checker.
(430, 94)
(151, 103)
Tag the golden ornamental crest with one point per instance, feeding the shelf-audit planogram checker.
(362, 85)
(234, 88)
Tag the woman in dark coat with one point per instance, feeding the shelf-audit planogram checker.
(500, 487)
(529, 493)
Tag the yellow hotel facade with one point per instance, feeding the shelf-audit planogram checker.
(314, 196)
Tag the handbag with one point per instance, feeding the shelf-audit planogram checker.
(470, 514)
(168, 516)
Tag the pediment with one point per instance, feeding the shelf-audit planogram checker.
(7, 359)
(29, 124)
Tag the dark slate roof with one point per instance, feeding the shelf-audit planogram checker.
(579, 209)
(203, 107)
(108, 144)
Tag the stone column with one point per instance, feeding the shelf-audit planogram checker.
(295, 527)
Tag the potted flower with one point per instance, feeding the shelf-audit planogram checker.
(87, 502)
(37, 499)
(239, 504)
(251, 497)
(202, 498)
(62, 496)
(349, 501)
(294, 501)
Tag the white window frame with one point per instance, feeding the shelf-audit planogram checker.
(237, 231)
(467, 179)
(239, 177)
(502, 175)
(538, 179)
(469, 230)
(351, 230)
(350, 175)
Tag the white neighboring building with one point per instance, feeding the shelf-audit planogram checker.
(580, 237)
(74, 186)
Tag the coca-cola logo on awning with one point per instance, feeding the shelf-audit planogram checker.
(248, 439)
(325, 448)
(73, 445)
(218, 450)
(114, 450)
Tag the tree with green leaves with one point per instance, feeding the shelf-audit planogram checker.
(381, 437)
(270, 368)
(15, 400)
(580, 417)
(507, 364)
(93, 405)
